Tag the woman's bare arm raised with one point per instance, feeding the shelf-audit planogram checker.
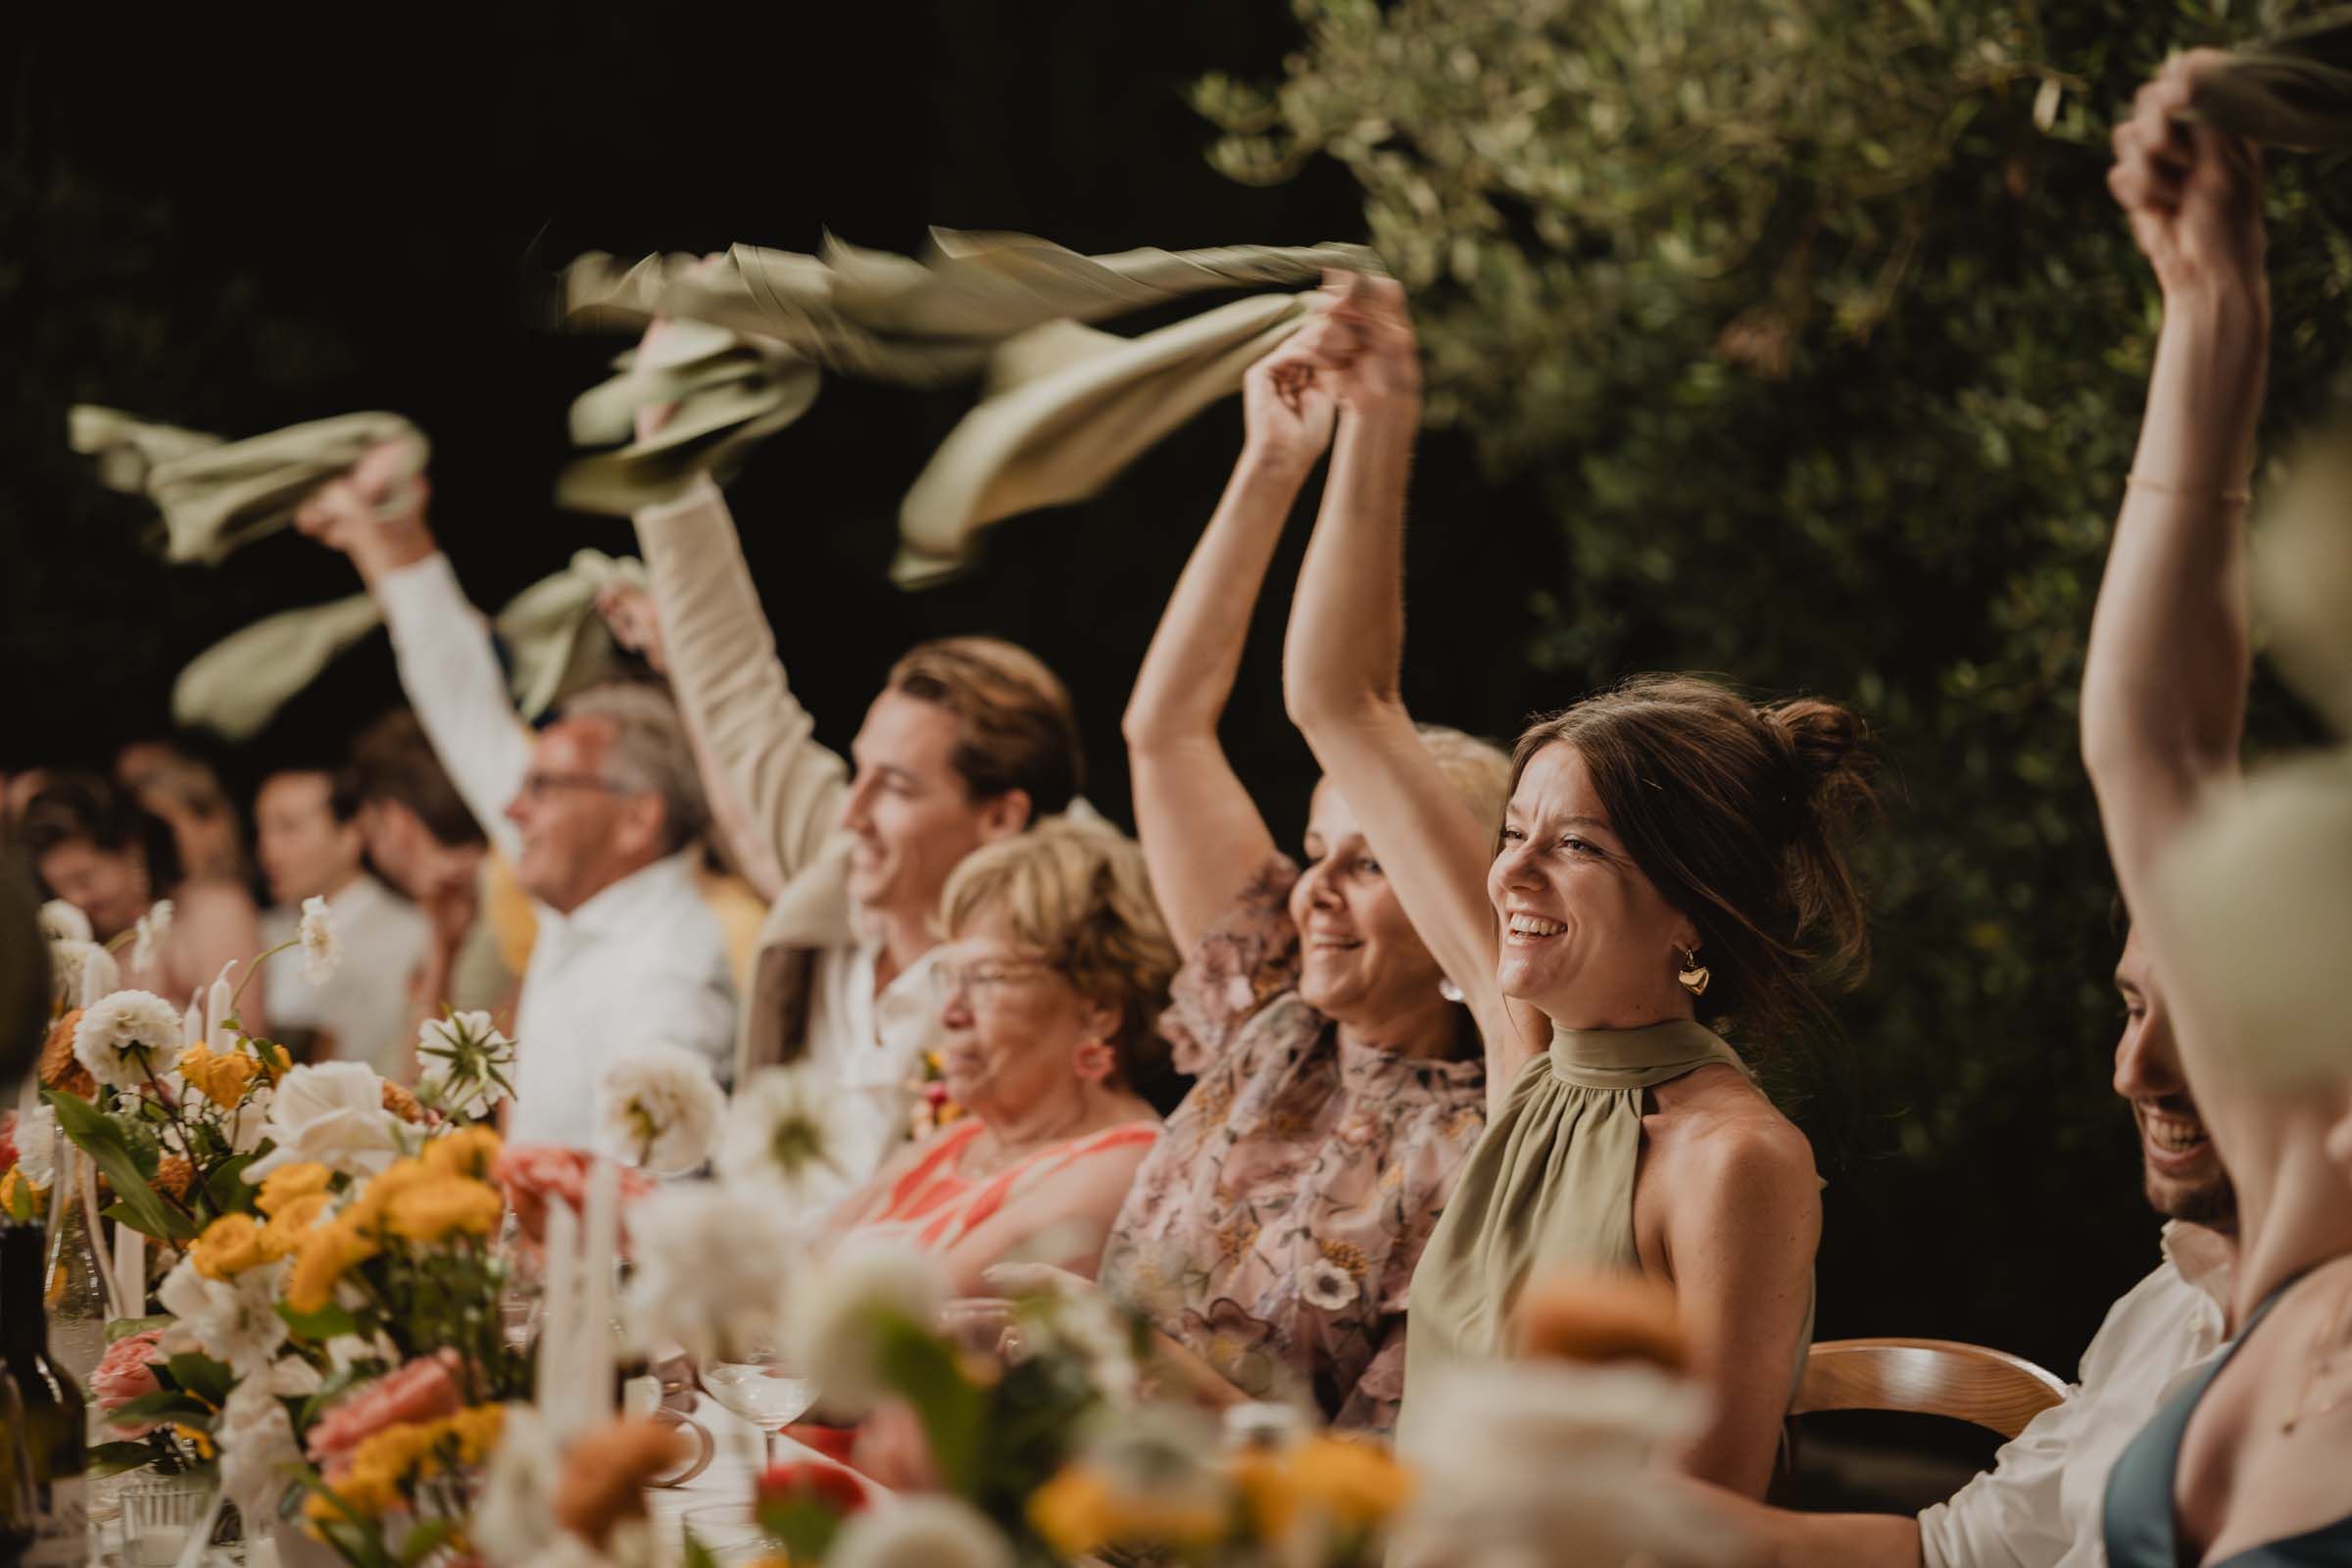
(1346, 645)
(1202, 834)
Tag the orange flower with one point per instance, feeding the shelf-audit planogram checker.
(60, 1067)
(174, 1177)
(606, 1474)
(1586, 1317)
(400, 1102)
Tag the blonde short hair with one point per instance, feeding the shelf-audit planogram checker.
(1078, 894)
(1480, 770)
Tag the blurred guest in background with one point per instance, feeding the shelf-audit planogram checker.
(309, 844)
(100, 851)
(421, 836)
(186, 793)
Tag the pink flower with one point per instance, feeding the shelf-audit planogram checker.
(422, 1391)
(126, 1372)
(534, 1173)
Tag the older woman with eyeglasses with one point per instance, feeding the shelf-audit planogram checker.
(1056, 968)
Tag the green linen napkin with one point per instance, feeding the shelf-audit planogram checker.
(214, 495)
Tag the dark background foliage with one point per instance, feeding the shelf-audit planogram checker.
(1837, 402)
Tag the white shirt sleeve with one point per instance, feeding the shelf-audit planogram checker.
(450, 674)
(2040, 1506)
(2013, 1515)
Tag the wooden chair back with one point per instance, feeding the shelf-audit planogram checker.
(1970, 1383)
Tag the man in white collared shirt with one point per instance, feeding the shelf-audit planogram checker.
(308, 839)
(599, 815)
(2040, 1504)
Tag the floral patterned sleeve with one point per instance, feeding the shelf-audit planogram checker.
(1372, 1404)
(1249, 957)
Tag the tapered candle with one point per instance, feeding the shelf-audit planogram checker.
(553, 1382)
(216, 1011)
(601, 1266)
(130, 1270)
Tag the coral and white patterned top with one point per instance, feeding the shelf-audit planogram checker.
(1274, 1230)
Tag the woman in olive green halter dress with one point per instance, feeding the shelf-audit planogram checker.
(1664, 873)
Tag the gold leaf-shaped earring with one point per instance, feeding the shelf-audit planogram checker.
(1694, 975)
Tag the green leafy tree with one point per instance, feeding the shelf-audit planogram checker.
(1813, 325)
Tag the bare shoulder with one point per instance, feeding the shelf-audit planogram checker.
(1716, 1133)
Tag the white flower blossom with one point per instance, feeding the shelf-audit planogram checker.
(1096, 1328)
(65, 922)
(777, 1136)
(920, 1532)
(333, 1112)
(248, 1124)
(659, 1107)
(152, 927)
(2261, 891)
(711, 1267)
(468, 1066)
(836, 1310)
(1515, 1459)
(259, 1456)
(232, 1320)
(37, 1145)
(1327, 1285)
(516, 1515)
(82, 971)
(317, 934)
(127, 1037)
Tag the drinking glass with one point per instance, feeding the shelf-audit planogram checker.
(758, 1384)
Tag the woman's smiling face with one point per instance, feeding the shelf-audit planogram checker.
(1585, 936)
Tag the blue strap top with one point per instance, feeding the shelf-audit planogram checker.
(2138, 1519)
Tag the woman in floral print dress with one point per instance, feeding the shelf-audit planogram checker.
(1272, 1233)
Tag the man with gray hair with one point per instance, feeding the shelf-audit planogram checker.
(598, 814)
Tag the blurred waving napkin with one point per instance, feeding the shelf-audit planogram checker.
(217, 495)
(1062, 407)
(2293, 89)
(556, 643)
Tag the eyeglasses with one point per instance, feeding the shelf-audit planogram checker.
(536, 787)
(981, 980)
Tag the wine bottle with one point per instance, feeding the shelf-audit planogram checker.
(41, 1440)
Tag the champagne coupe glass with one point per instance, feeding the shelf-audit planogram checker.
(758, 1384)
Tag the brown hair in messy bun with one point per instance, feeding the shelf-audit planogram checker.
(1732, 810)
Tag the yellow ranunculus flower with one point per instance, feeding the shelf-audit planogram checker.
(1348, 1484)
(20, 1199)
(368, 1210)
(320, 1260)
(273, 1059)
(1072, 1511)
(468, 1152)
(221, 1079)
(478, 1428)
(229, 1246)
(1354, 1483)
(288, 1182)
(359, 1494)
(430, 1211)
(283, 1234)
(1079, 1510)
(195, 1438)
(396, 1450)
